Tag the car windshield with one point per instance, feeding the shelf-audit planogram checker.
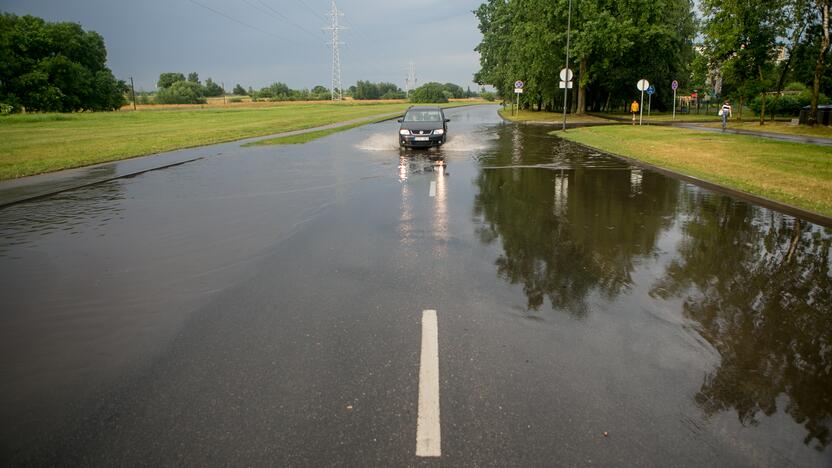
(423, 116)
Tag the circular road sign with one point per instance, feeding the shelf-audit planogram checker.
(566, 74)
(642, 85)
(674, 85)
(651, 90)
(518, 84)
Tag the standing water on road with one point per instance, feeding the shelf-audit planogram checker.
(227, 310)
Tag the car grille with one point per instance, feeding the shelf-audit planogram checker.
(421, 132)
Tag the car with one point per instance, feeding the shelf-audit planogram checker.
(423, 127)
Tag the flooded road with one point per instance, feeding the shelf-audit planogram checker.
(263, 307)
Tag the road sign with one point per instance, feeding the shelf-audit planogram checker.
(650, 90)
(642, 85)
(674, 85)
(518, 90)
(518, 84)
(565, 85)
(566, 75)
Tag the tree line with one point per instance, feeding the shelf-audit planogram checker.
(731, 48)
(54, 67)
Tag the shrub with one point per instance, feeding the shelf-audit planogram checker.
(429, 92)
(181, 92)
(790, 103)
(488, 96)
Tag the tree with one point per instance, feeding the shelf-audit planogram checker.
(820, 66)
(429, 93)
(213, 89)
(181, 92)
(193, 77)
(54, 67)
(744, 41)
(456, 91)
(167, 79)
(613, 42)
(239, 90)
(366, 90)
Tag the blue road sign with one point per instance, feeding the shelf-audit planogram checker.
(651, 90)
(674, 85)
(518, 84)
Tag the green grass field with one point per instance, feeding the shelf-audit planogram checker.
(38, 143)
(780, 127)
(794, 173)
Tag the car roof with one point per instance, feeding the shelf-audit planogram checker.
(425, 108)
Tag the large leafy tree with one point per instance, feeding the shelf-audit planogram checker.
(166, 80)
(744, 41)
(613, 44)
(820, 65)
(56, 67)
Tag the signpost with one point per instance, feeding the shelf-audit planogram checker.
(518, 90)
(642, 86)
(650, 91)
(566, 76)
(674, 85)
(566, 73)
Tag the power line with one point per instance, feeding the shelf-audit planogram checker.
(311, 10)
(277, 14)
(241, 23)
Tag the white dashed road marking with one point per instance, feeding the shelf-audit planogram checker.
(432, 192)
(428, 434)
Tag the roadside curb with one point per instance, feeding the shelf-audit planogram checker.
(811, 216)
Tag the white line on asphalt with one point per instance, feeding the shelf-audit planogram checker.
(432, 192)
(428, 435)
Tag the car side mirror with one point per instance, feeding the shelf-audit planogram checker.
(447, 120)
(399, 121)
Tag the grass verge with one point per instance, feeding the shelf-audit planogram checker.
(785, 128)
(793, 173)
(548, 117)
(38, 143)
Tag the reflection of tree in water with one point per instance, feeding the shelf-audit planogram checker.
(759, 286)
(567, 233)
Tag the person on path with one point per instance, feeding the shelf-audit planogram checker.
(634, 110)
(725, 112)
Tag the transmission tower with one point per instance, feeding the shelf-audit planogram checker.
(410, 82)
(334, 28)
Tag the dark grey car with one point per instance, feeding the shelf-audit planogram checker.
(423, 127)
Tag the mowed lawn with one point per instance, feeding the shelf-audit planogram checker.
(37, 143)
(798, 174)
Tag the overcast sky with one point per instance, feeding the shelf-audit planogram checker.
(148, 37)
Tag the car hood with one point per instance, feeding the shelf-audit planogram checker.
(421, 125)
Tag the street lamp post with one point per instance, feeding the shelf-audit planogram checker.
(566, 88)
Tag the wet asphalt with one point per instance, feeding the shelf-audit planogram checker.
(263, 307)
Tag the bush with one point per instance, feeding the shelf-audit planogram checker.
(489, 96)
(795, 98)
(6, 109)
(393, 95)
(181, 92)
(430, 93)
(235, 100)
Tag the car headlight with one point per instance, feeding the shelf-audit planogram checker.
(404, 132)
(439, 131)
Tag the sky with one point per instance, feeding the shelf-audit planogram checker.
(259, 42)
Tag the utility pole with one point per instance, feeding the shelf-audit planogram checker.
(133, 90)
(566, 88)
(334, 28)
(224, 98)
(410, 82)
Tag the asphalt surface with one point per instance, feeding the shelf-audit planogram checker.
(264, 307)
